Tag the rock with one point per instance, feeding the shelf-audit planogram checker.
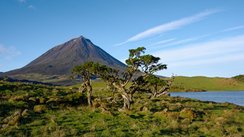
(165, 110)
(145, 109)
(14, 120)
(40, 108)
(25, 113)
(42, 100)
(32, 99)
(187, 113)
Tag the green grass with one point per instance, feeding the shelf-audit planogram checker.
(181, 83)
(206, 83)
(239, 78)
(37, 110)
(198, 83)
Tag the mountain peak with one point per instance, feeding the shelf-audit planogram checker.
(62, 58)
(79, 42)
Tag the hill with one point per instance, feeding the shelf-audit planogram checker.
(200, 83)
(56, 64)
(239, 78)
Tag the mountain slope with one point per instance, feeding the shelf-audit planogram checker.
(60, 60)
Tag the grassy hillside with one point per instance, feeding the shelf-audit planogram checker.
(239, 78)
(38, 110)
(206, 83)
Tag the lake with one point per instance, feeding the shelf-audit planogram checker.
(236, 97)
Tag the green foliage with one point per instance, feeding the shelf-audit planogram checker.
(137, 62)
(86, 71)
(64, 112)
(239, 78)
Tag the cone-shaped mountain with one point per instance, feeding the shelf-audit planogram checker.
(61, 59)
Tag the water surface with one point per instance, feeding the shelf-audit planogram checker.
(236, 97)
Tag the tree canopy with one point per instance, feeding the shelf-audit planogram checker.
(139, 72)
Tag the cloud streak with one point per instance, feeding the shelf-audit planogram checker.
(233, 28)
(222, 50)
(162, 42)
(178, 42)
(8, 52)
(177, 24)
(184, 41)
(216, 60)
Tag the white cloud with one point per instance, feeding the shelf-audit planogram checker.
(233, 28)
(170, 26)
(227, 49)
(179, 42)
(8, 52)
(166, 43)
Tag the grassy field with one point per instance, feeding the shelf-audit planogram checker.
(38, 110)
(181, 83)
(206, 83)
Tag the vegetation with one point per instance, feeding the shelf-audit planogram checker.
(201, 83)
(38, 110)
(42, 110)
(239, 78)
(86, 71)
(139, 74)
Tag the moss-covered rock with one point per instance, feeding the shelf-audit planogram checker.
(42, 100)
(39, 108)
(187, 113)
(25, 113)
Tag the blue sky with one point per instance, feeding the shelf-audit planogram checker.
(192, 37)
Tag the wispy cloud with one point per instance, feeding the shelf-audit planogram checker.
(166, 43)
(31, 7)
(215, 60)
(8, 52)
(27, 4)
(22, 1)
(227, 49)
(178, 42)
(177, 24)
(233, 28)
(162, 42)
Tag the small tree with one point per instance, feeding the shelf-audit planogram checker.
(139, 72)
(86, 71)
(156, 86)
(139, 68)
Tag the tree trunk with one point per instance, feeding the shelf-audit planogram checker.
(82, 88)
(154, 95)
(126, 96)
(89, 94)
(127, 100)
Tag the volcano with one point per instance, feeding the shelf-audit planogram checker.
(59, 61)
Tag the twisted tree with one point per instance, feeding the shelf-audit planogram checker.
(86, 71)
(140, 69)
(139, 73)
(156, 86)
